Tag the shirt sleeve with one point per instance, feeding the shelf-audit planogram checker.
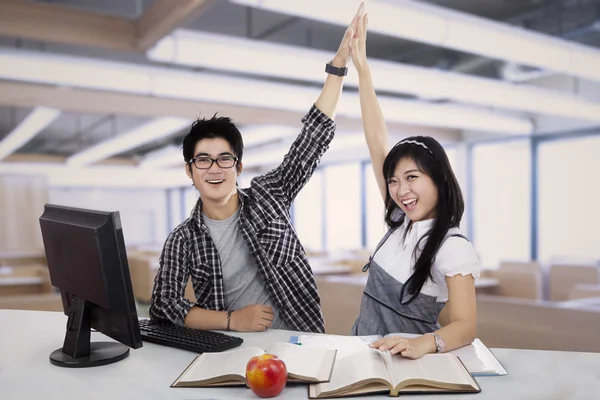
(458, 256)
(303, 157)
(168, 301)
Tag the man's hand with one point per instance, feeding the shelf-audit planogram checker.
(359, 44)
(253, 318)
(345, 50)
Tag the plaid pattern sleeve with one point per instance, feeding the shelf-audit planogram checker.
(279, 256)
(168, 301)
(303, 157)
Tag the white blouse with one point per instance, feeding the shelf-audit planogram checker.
(456, 256)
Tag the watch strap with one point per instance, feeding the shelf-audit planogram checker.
(337, 71)
(439, 342)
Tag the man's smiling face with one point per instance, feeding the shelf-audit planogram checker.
(215, 184)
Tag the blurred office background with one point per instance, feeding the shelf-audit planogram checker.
(96, 96)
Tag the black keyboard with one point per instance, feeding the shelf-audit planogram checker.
(180, 337)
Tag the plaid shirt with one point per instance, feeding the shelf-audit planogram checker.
(266, 227)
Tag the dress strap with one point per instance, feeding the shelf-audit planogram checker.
(385, 237)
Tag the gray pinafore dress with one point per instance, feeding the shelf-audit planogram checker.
(381, 308)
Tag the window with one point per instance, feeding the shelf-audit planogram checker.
(375, 209)
(451, 152)
(457, 155)
(343, 207)
(568, 213)
(174, 208)
(142, 211)
(308, 213)
(245, 178)
(190, 196)
(502, 201)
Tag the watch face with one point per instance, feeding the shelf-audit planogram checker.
(439, 343)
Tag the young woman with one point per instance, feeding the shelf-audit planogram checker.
(423, 264)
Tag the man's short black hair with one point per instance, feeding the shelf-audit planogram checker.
(215, 127)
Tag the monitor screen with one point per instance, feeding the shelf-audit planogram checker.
(87, 262)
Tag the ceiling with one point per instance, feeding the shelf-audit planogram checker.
(90, 117)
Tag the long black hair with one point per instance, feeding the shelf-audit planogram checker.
(432, 160)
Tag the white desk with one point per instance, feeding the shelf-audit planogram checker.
(28, 337)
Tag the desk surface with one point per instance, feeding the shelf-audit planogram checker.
(28, 337)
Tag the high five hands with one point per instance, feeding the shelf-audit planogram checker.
(348, 45)
(359, 40)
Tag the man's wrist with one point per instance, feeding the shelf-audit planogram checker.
(229, 320)
(339, 62)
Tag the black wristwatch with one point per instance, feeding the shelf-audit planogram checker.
(330, 69)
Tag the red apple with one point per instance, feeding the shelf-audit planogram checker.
(266, 375)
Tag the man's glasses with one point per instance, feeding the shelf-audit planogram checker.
(204, 162)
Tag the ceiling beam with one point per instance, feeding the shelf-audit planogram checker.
(163, 16)
(61, 24)
(66, 25)
(101, 102)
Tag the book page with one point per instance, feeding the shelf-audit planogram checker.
(311, 363)
(354, 369)
(343, 344)
(211, 365)
(442, 368)
(477, 358)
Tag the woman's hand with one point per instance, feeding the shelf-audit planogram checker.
(359, 44)
(345, 50)
(409, 348)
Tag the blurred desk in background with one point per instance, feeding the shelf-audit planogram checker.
(361, 280)
(320, 268)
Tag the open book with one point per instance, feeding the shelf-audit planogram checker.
(228, 368)
(373, 371)
(476, 357)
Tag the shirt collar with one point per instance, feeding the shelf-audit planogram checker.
(198, 215)
(419, 228)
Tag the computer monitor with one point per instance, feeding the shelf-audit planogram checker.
(87, 262)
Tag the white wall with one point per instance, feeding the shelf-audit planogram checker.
(143, 211)
(569, 216)
(502, 201)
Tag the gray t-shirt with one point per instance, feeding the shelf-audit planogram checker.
(242, 282)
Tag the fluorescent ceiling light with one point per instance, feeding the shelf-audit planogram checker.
(438, 26)
(33, 124)
(61, 175)
(209, 50)
(166, 157)
(255, 135)
(266, 157)
(161, 82)
(348, 142)
(347, 145)
(146, 133)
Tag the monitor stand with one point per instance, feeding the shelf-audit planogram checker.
(77, 351)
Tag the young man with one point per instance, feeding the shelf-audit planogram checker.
(247, 266)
